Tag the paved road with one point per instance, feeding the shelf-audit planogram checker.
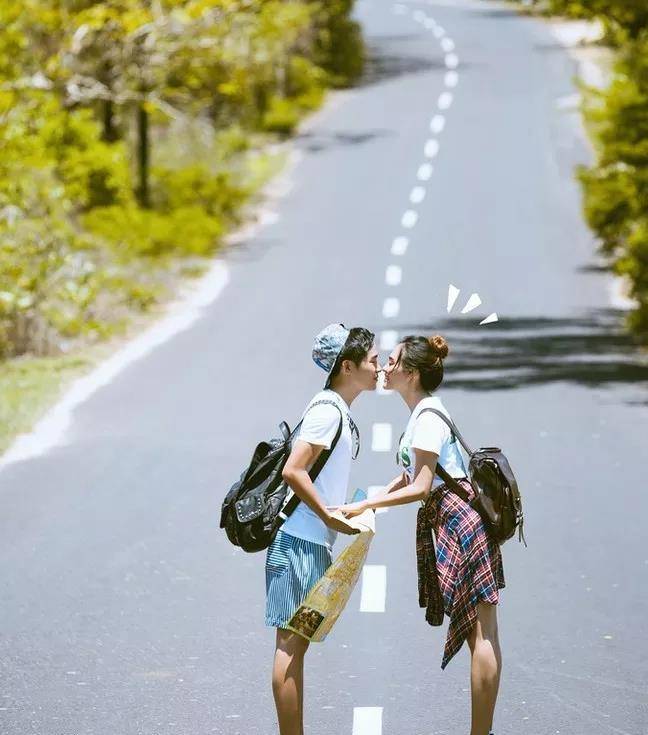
(124, 609)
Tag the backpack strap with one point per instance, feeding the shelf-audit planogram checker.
(294, 500)
(450, 481)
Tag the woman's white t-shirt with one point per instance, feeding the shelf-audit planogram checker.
(430, 433)
(319, 427)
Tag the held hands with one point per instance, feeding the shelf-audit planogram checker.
(350, 510)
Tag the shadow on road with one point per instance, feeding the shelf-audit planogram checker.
(384, 64)
(323, 140)
(592, 351)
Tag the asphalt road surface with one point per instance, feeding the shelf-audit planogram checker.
(124, 609)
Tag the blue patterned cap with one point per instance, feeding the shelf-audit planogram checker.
(328, 344)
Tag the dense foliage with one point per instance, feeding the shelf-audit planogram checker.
(123, 127)
(616, 187)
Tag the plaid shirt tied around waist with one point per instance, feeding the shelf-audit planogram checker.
(463, 568)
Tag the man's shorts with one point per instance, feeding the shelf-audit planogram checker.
(293, 567)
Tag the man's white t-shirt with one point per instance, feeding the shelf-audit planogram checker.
(430, 433)
(319, 426)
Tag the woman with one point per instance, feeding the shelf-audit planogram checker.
(462, 576)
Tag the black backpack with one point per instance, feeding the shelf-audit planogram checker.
(255, 506)
(497, 498)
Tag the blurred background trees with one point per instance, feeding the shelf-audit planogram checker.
(128, 129)
(616, 186)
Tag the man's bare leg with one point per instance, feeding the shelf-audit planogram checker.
(485, 669)
(288, 681)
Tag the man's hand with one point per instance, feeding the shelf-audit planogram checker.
(340, 525)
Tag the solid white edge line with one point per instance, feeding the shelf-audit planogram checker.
(374, 588)
(51, 430)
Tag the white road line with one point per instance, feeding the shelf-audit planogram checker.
(376, 490)
(399, 245)
(437, 123)
(417, 195)
(409, 219)
(431, 148)
(393, 275)
(419, 16)
(374, 588)
(367, 720)
(381, 437)
(447, 44)
(451, 79)
(52, 429)
(452, 61)
(430, 23)
(391, 307)
(439, 32)
(424, 172)
(388, 339)
(445, 100)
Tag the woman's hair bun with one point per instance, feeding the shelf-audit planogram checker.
(439, 346)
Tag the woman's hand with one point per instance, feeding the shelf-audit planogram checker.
(350, 510)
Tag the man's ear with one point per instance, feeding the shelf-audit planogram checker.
(346, 367)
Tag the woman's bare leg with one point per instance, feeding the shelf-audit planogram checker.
(485, 669)
(288, 681)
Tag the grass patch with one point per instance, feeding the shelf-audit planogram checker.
(29, 384)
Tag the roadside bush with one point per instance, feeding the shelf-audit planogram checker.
(281, 116)
(134, 232)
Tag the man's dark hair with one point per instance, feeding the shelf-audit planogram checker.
(356, 348)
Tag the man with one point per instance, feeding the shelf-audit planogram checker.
(301, 551)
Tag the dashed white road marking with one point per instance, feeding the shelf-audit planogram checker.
(381, 438)
(417, 195)
(445, 100)
(419, 16)
(452, 61)
(399, 245)
(424, 172)
(437, 123)
(393, 275)
(367, 720)
(409, 219)
(373, 490)
(451, 79)
(388, 339)
(374, 588)
(447, 44)
(431, 148)
(439, 32)
(391, 307)
(430, 23)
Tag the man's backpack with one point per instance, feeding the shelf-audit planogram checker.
(257, 504)
(497, 498)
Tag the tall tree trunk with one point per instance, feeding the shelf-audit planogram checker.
(143, 156)
(110, 133)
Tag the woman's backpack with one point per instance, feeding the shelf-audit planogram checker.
(497, 498)
(260, 501)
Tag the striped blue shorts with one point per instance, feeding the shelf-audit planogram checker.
(293, 567)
